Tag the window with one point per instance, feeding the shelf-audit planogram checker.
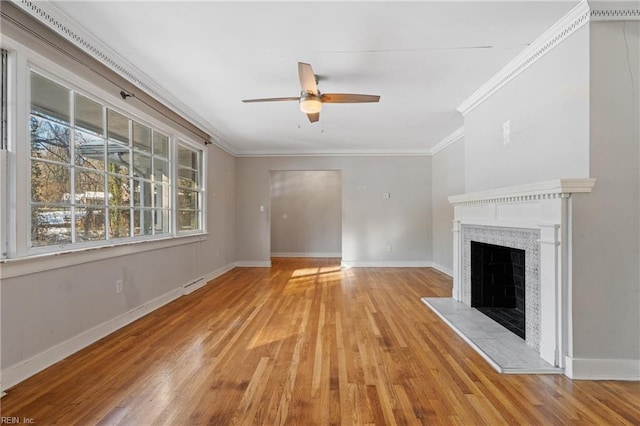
(51, 159)
(97, 175)
(189, 189)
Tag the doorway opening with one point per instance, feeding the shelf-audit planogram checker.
(306, 213)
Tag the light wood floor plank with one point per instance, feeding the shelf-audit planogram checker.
(301, 343)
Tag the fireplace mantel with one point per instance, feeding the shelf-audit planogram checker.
(532, 191)
(544, 207)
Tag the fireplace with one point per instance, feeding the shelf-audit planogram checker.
(535, 219)
(497, 284)
(526, 243)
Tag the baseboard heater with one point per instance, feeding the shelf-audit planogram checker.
(192, 286)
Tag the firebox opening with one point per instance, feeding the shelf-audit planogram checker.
(497, 284)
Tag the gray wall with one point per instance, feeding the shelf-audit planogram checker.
(606, 231)
(548, 106)
(41, 310)
(369, 222)
(306, 213)
(448, 179)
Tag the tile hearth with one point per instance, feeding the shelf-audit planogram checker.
(505, 351)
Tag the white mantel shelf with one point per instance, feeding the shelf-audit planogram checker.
(531, 191)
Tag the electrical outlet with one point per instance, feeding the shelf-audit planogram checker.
(118, 286)
(388, 248)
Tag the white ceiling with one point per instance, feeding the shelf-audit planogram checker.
(422, 58)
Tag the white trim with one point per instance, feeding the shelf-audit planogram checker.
(575, 19)
(4, 201)
(253, 264)
(61, 23)
(386, 264)
(531, 191)
(16, 373)
(602, 369)
(455, 136)
(343, 153)
(218, 272)
(306, 254)
(442, 269)
(45, 262)
(612, 11)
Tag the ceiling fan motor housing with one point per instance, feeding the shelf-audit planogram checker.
(310, 103)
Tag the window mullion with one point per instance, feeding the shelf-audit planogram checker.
(174, 180)
(202, 190)
(18, 130)
(105, 170)
(72, 161)
(152, 185)
(131, 186)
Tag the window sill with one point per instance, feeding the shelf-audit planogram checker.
(17, 267)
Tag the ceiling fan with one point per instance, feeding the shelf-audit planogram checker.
(311, 99)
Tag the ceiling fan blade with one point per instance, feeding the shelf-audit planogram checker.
(314, 117)
(291, 98)
(307, 78)
(348, 98)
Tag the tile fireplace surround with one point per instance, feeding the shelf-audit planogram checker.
(536, 218)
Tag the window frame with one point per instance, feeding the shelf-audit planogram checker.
(15, 228)
(4, 148)
(200, 188)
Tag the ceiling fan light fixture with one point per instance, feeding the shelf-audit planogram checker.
(310, 104)
(311, 100)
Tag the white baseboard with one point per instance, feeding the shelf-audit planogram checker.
(602, 369)
(442, 269)
(16, 373)
(387, 264)
(306, 254)
(222, 270)
(253, 264)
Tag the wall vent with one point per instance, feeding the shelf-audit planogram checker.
(192, 286)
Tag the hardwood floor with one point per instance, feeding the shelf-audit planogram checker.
(303, 343)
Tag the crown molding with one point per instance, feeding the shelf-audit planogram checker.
(575, 19)
(614, 10)
(448, 140)
(342, 153)
(52, 17)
